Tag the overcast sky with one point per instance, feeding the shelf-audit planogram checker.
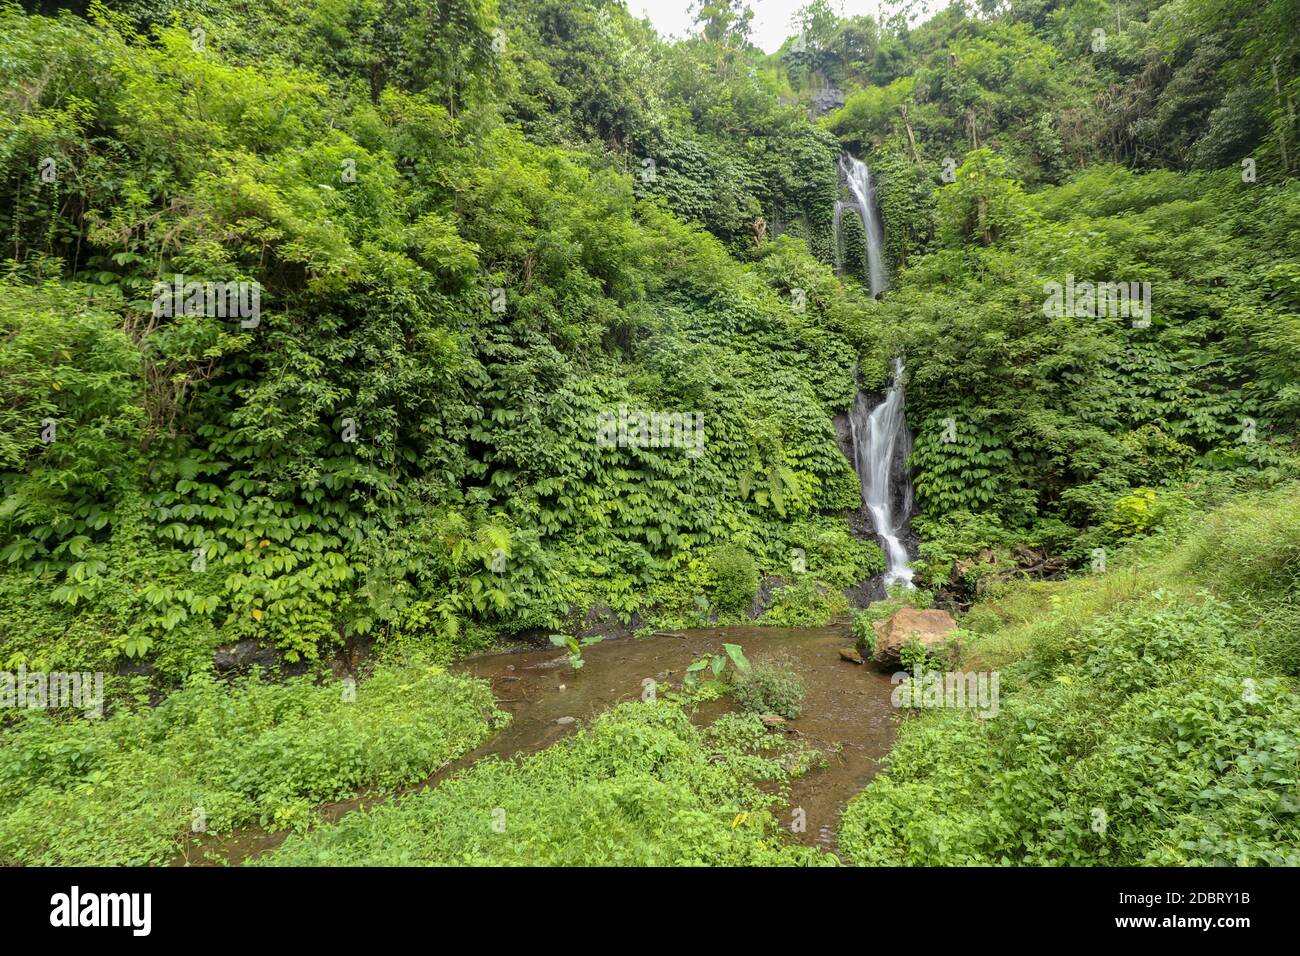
(771, 17)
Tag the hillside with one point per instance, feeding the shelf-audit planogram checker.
(341, 340)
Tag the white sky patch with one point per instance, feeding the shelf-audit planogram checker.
(772, 22)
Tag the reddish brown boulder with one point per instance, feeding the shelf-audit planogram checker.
(930, 627)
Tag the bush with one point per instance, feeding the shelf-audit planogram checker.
(769, 688)
(864, 635)
(736, 579)
(805, 603)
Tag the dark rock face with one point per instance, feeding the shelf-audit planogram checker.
(827, 100)
(243, 654)
(901, 482)
(866, 591)
(136, 669)
(602, 621)
(844, 432)
(763, 599)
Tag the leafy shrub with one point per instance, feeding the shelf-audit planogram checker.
(1135, 513)
(914, 658)
(769, 688)
(960, 536)
(736, 578)
(805, 603)
(864, 635)
(716, 665)
(832, 553)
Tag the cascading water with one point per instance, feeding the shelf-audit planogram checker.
(881, 444)
(863, 191)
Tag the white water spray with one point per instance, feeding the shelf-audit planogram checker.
(863, 191)
(879, 435)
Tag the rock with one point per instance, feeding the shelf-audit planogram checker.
(767, 585)
(851, 655)
(603, 622)
(772, 721)
(142, 668)
(930, 627)
(826, 100)
(565, 721)
(867, 591)
(242, 654)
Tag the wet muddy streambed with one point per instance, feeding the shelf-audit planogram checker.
(846, 714)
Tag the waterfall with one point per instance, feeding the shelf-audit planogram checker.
(863, 191)
(881, 444)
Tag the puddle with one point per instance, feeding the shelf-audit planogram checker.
(846, 714)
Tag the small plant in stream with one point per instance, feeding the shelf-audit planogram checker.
(716, 663)
(770, 687)
(574, 647)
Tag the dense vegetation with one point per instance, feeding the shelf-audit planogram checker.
(641, 787)
(475, 497)
(481, 231)
(1148, 715)
(116, 791)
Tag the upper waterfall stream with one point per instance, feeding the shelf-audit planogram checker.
(863, 191)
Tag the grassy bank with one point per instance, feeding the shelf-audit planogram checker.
(128, 788)
(640, 787)
(1148, 714)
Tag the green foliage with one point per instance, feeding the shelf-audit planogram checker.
(475, 496)
(386, 456)
(574, 647)
(1146, 723)
(769, 687)
(126, 789)
(952, 538)
(737, 580)
(640, 787)
(716, 665)
(1135, 513)
(1039, 420)
(1036, 86)
(804, 603)
(831, 553)
(864, 635)
(72, 398)
(915, 659)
